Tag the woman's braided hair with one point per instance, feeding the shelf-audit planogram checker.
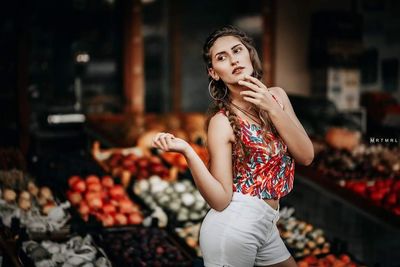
(218, 88)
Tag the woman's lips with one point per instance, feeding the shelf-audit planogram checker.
(237, 70)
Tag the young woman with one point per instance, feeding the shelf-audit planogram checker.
(253, 138)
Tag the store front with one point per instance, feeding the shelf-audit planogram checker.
(88, 84)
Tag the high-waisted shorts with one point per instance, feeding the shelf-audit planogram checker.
(244, 234)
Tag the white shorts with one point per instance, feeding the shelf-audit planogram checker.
(244, 234)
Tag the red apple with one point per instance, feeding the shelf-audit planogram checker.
(73, 179)
(84, 208)
(94, 187)
(135, 218)
(125, 206)
(142, 163)
(120, 219)
(126, 163)
(74, 197)
(79, 186)
(109, 208)
(391, 199)
(92, 179)
(117, 192)
(90, 195)
(396, 210)
(107, 220)
(95, 203)
(107, 181)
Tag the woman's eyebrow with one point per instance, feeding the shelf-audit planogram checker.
(223, 52)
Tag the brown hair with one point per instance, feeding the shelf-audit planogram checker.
(218, 88)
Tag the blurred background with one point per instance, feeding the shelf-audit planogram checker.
(85, 84)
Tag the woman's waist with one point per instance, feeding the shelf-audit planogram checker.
(274, 203)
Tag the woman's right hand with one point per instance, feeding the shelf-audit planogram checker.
(169, 143)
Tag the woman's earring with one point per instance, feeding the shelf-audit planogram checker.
(209, 91)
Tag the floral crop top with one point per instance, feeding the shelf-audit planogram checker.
(266, 170)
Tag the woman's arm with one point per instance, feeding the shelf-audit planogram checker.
(214, 185)
(291, 130)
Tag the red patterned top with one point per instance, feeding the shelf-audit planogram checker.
(267, 169)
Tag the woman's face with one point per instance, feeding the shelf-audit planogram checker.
(230, 60)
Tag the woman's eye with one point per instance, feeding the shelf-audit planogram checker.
(237, 50)
(220, 58)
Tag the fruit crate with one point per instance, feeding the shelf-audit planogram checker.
(366, 205)
(101, 202)
(145, 246)
(72, 250)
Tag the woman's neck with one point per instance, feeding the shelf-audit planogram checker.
(238, 100)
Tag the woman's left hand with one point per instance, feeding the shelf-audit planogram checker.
(259, 94)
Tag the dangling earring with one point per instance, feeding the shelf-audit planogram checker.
(209, 91)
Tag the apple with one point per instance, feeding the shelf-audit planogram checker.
(391, 199)
(95, 203)
(73, 179)
(74, 197)
(142, 163)
(79, 186)
(125, 206)
(84, 208)
(109, 208)
(396, 210)
(107, 220)
(90, 195)
(117, 192)
(92, 179)
(121, 219)
(107, 181)
(135, 218)
(94, 187)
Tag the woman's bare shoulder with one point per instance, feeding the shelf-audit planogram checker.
(220, 127)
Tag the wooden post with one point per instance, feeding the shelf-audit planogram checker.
(23, 43)
(133, 58)
(268, 41)
(176, 50)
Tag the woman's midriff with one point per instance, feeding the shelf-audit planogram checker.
(274, 203)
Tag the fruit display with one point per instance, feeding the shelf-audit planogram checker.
(77, 251)
(35, 207)
(190, 233)
(178, 160)
(181, 199)
(141, 246)
(130, 162)
(301, 237)
(329, 260)
(371, 171)
(342, 138)
(106, 201)
(382, 192)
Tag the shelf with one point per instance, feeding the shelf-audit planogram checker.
(361, 204)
